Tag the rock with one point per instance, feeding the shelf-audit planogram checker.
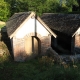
(70, 58)
(3, 49)
(53, 54)
(2, 52)
(63, 59)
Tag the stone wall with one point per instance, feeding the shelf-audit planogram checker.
(19, 52)
(45, 44)
(77, 44)
(77, 40)
(18, 49)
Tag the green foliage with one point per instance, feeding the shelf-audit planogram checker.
(9, 7)
(67, 5)
(2, 26)
(21, 5)
(18, 6)
(38, 69)
(4, 10)
(36, 5)
(70, 4)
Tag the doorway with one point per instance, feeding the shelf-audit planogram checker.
(32, 45)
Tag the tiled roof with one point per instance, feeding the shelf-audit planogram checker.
(15, 21)
(65, 23)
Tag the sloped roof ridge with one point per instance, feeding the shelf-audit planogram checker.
(16, 20)
(23, 12)
(16, 15)
(62, 22)
(64, 15)
(50, 13)
(59, 13)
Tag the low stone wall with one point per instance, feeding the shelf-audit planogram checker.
(63, 59)
(45, 44)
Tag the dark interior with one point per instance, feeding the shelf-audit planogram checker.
(63, 43)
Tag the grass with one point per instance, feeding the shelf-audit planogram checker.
(37, 69)
(42, 68)
(2, 24)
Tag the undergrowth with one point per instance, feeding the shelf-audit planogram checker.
(43, 68)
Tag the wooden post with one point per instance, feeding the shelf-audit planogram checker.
(73, 45)
(55, 42)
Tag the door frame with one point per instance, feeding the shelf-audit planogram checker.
(39, 44)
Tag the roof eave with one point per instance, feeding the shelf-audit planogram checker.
(50, 31)
(32, 13)
(75, 32)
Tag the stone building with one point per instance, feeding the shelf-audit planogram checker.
(67, 28)
(29, 35)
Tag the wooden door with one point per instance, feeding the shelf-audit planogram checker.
(31, 45)
(28, 45)
(35, 45)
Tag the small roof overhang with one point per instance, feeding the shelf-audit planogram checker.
(75, 32)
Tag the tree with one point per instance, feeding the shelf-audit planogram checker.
(78, 4)
(17, 6)
(36, 5)
(40, 6)
(4, 10)
(21, 5)
(53, 5)
(72, 4)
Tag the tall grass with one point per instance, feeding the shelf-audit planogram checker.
(38, 69)
(41, 68)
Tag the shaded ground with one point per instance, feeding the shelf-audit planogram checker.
(41, 68)
(38, 69)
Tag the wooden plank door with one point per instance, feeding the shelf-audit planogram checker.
(28, 45)
(35, 45)
(31, 46)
